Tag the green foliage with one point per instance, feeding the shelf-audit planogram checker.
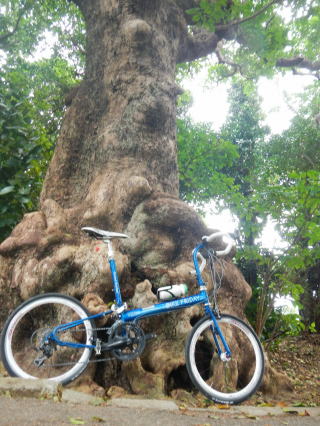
(24, 24)
(261, 35)
(208, 14)
(244, 129)
(201, 157)
(32, 96)
(245, 170)
(312, 327)
(20, 169)
(304, 27)
(280, 324)
(31, 108)
(258, 34)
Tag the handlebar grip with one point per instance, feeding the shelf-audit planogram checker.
(230, 244)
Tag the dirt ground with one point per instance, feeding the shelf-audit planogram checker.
(299, 358)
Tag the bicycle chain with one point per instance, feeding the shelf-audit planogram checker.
(84, 329)
(87, 362)
(90, 361)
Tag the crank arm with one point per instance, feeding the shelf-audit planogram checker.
(116, 345)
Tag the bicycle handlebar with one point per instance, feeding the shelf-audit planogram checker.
(230, 244)
(209, 238)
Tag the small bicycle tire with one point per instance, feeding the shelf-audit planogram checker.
(30, 323)
(224, 381)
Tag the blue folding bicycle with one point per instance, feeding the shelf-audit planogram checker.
(53, 336)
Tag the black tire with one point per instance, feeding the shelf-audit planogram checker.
(225, 382)
(30, 322)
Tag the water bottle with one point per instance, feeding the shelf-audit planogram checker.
(172, 291)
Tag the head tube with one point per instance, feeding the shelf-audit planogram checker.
(196, 263)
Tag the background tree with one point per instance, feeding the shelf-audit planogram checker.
(31, 108)
(271, 177)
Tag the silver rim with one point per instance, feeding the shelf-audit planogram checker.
(253, 383)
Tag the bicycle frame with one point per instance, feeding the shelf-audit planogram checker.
(156, 309)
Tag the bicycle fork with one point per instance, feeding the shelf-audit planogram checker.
(225, 352)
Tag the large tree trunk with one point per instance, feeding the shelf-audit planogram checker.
(115, 167)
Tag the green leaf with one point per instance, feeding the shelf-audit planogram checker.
(76, 421)
(97, 419)
(6, 190)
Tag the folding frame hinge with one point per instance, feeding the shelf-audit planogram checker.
(119, 309)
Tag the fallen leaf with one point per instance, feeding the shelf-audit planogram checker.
(290, 411)
(282, 404)
(98, 419)
(250, 416)
(182, 407)
(76, 421)
(299, 404)
(304, 413)
(265, 404)
(223, 406)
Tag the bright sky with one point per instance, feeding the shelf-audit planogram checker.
(210, 104)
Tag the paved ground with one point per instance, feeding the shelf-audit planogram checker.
(25, 402)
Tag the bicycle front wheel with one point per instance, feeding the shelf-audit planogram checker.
(22, 346)
(226, 381)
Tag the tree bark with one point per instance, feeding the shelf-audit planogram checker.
(115, 168)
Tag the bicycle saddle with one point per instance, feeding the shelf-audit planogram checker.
(100, 234)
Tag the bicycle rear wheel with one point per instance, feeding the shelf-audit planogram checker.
(27, 328)
(225, 381)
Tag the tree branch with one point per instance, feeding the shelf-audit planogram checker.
(201, 43)
(300, 62)
(222, 60)
(4, 37)
(237, 22)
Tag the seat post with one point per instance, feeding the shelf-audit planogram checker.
(110, 249)
(114, 274)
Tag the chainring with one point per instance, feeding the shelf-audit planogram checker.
(135, 343)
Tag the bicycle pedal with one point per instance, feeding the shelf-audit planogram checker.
(98, 347)
(150, 336)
